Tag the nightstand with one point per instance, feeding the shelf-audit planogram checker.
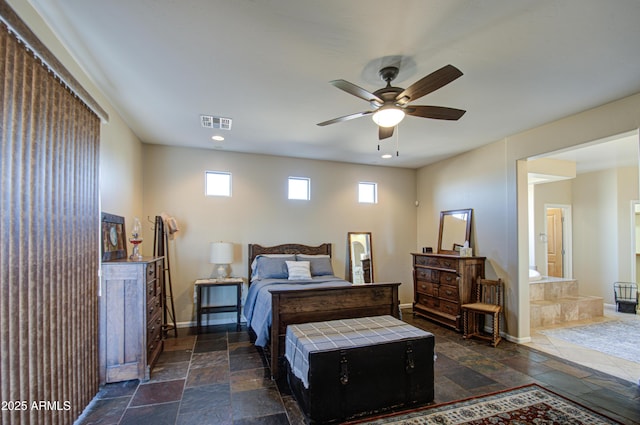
(201, 284)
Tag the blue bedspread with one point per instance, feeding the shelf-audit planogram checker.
(257, 307)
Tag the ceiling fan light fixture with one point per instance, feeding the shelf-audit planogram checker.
(388, 117)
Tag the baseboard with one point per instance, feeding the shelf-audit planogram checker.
(511, 338)
(210, 322)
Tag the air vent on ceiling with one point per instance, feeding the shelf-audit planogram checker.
(221, 123)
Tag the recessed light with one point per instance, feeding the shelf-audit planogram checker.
(217, 138)
(386, 156)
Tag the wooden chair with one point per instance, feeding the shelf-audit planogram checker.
(486, 298)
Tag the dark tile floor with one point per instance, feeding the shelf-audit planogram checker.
(220, 378)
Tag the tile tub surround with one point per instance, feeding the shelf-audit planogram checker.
(554, 301)
(219, 377)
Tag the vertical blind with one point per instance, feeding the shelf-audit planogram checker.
(49, 233)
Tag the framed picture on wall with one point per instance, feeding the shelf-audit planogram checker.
(114, 244)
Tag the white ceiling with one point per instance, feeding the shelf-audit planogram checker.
(602, 154)
(266, 64)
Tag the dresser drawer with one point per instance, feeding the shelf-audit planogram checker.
(153, 342)
(159, 266)
(427, 301)
(154, 326)
(448, 307)
(427, 288)
(153, 287)
(427, 275)
(449, 292)
(448, 278)
(439, 262)
(151, 271)
(153, 307)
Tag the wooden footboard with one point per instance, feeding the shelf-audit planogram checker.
(314, 305)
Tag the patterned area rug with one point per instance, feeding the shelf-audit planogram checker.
(530, 404)
(608, 337)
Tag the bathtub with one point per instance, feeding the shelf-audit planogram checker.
(534, 275)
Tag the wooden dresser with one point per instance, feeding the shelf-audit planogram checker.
(441, 283)
(130, 318)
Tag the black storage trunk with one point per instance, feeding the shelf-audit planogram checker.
(347, 383)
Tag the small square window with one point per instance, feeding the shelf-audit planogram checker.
(299, 188)
(368, 193)
(217, 183)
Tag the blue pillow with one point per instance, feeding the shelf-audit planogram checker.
(320, 264)
(272, 267)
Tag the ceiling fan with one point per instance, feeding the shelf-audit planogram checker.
(390, 104)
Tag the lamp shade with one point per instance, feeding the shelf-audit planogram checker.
(221, 253)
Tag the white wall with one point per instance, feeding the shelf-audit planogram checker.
(120, 171)
(595, 232)
(259, 212)
(475, 180)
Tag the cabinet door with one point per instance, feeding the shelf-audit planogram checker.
(122, 323)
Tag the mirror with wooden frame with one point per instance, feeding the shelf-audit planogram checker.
(360, 257)
(455, 230)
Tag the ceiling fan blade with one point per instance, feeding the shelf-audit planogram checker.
(385, 132)
(430, 83)
(356, 91)
(435, 112)
(345, 118)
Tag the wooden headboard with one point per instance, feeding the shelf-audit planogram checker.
(289, 248)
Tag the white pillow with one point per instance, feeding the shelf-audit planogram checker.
(299, 270)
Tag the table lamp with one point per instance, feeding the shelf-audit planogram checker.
(222, 255)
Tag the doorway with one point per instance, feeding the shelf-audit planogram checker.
(604, 172)
(635, 243)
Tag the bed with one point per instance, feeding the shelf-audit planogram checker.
(276, 299)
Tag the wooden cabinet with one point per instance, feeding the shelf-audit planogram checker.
(441, 283)
(130, 318)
